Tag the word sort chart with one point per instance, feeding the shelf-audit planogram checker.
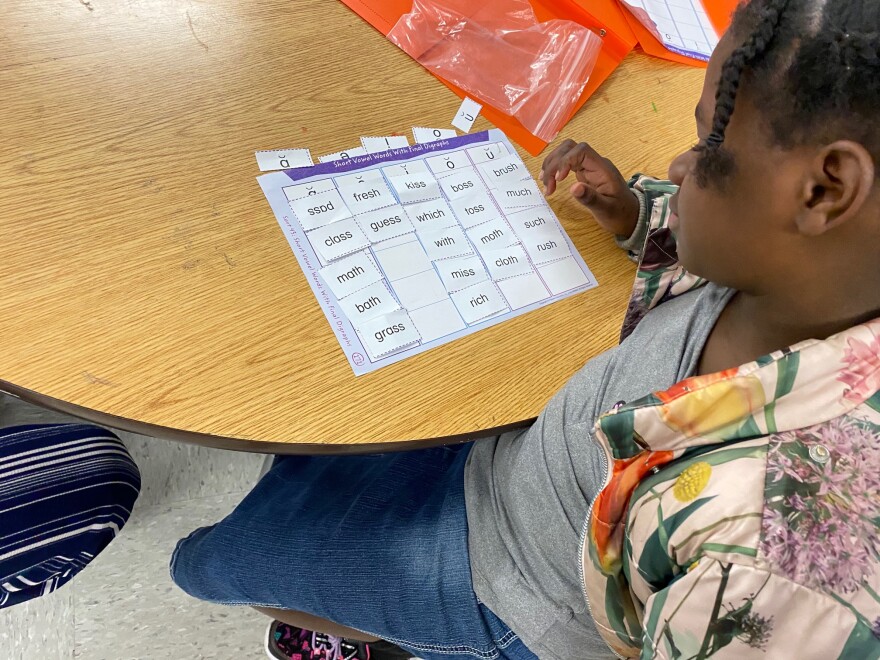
(417, 246)
(683, 26)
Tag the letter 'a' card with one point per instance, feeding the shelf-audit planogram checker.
(413, 247)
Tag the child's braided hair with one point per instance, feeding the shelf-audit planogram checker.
(812, 67)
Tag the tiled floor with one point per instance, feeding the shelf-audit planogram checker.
(124, 606)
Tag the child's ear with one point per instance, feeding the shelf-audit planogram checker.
(838, 183)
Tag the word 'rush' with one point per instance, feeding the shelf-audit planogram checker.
(414, 247)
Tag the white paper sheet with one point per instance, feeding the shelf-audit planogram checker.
(415, 187)
(438, 320)
(683, 26)
(445, 243)
(434, 214)
(338, 239)
(385, 334)
(366, 304)
(488, 152)
(446, 268)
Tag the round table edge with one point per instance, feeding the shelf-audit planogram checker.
(244, 444)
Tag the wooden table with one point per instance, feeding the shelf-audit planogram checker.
(144, 282)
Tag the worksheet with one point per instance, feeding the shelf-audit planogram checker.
(414, 247)
(681, 25)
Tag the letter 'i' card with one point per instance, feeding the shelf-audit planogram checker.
(413, 247)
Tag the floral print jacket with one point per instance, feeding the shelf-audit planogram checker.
(740, 516)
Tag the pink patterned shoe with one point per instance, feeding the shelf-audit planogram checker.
(284, 642)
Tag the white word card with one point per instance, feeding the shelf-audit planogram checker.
(375, 145)
(412, 247)
(415, 187)
(351, 274)
(422, 134)
(466, 115)
(282, 159)
(319, 209)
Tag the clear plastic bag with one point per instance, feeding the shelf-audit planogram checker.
(498, 53)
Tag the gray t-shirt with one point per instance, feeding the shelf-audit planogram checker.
(528, 491)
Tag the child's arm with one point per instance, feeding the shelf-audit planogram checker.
(620, 207)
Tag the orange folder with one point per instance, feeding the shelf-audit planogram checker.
(598, 15)
(720, 12)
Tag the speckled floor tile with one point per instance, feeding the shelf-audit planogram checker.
(127, 607)
(41, 628)
(14, 411)
(174, 472)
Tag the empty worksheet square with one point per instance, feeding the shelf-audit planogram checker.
(403, 260)
(437, 320)
(419, 290)
(563, 275)
(523, 290)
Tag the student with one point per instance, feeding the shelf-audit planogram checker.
(65, 492)
(708, 488)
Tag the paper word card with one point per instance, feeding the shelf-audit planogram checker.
(417, 246)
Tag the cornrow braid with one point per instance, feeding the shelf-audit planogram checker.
(716, 162)
(755, 45)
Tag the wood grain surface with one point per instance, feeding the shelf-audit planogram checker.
(144, 281)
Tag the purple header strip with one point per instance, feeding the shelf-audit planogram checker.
(403, 153)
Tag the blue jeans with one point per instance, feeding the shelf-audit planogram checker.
(377, 543)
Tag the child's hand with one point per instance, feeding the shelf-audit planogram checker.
(599, 186)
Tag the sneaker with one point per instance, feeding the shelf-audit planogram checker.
(284, 642)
